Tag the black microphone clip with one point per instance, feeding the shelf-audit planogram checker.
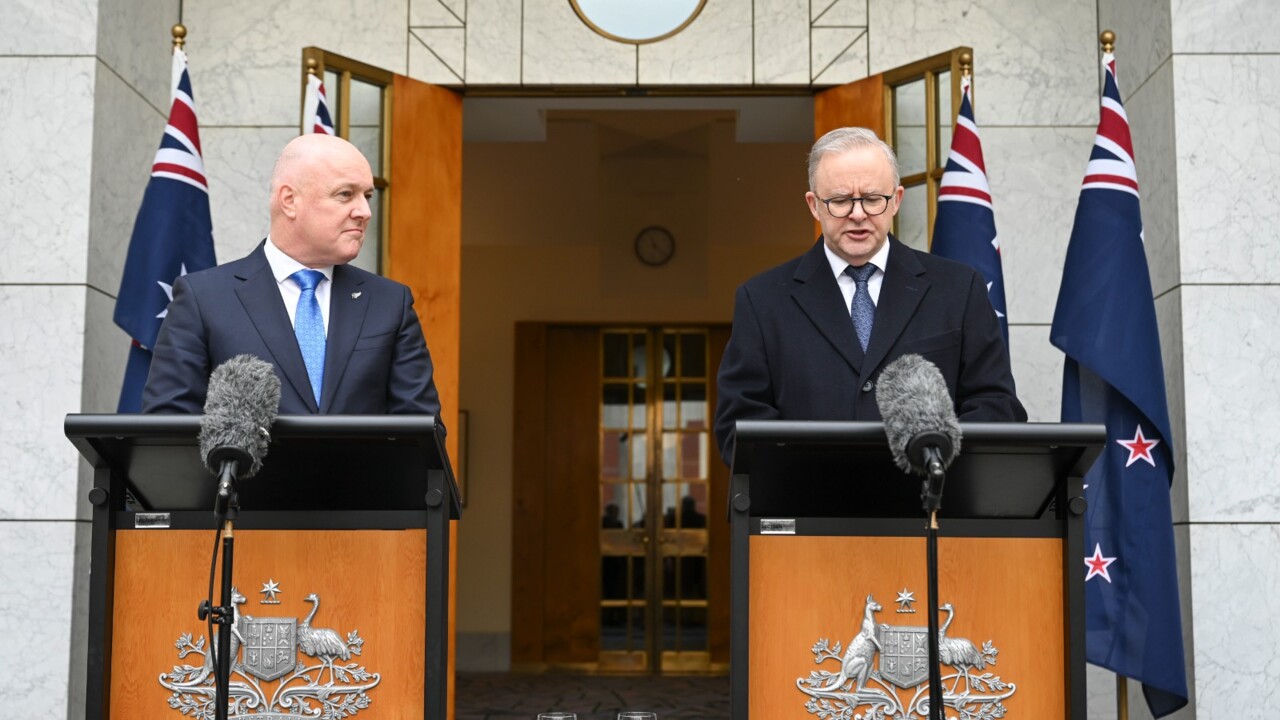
(925, 451)
(229, 459)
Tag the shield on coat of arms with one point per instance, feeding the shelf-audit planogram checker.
(270, 646)
(904, 655)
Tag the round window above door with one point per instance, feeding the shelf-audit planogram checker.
(637, 21)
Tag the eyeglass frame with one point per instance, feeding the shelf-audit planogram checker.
(855, 202)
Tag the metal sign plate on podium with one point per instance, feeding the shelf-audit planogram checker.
(349, 511)
(829, 596)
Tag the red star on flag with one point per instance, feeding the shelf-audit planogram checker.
(1139, 448)
(1098, 565)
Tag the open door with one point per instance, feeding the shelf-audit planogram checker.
(913, 108)
(424, 250)
(620, 555)
(859, 103)
(411, 133)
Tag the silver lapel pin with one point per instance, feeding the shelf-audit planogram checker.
(355, 296)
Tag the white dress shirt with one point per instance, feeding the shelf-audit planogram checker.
(846, 282)
(282, 266)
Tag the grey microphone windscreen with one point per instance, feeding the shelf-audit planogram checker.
(913, 398)
(239, 409)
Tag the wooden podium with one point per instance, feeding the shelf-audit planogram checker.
(829, 585)
(349, 511)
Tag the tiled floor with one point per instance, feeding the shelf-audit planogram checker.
(592, 697)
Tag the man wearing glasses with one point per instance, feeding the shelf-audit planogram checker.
(811, 336)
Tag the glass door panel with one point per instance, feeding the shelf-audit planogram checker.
(655, 448)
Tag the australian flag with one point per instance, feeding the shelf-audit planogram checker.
(965, 229)
(316, 117)
(172, 236)
(1105, 322)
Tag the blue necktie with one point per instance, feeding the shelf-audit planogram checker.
(308, 325)
(862, 309)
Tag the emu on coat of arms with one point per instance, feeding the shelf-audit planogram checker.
(263, 650)
(898, 686)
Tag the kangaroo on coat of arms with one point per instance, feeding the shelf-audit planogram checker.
(264, 650)
(898, 685)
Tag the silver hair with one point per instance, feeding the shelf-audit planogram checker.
(845, 139)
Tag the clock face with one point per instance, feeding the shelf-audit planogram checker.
(655, 245)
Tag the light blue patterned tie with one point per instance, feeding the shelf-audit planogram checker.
(862, 309)
(308, 325)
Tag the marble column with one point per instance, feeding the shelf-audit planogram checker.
(47, 71)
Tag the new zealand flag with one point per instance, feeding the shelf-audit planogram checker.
(172, 236)
(316, 117)
(965, 229)
(1105, 322)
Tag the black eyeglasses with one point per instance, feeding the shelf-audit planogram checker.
(841, 206)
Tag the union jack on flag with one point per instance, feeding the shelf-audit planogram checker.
(1105, 322)
(316, 117)
(172, 236)
(965, 229)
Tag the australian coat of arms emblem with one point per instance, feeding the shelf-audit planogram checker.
(897, 686)
(316, 675)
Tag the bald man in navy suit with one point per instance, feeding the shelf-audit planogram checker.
(375, 359)
(795, 352)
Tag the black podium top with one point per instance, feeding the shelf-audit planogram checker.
(845, 469)
(314, 462)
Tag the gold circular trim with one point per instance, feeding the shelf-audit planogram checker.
(601, 31)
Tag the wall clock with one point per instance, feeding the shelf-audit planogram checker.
(655, 245)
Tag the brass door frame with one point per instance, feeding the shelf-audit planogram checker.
(662, 545)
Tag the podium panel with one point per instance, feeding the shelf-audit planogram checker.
(843, 621)
(347, 609)
(353, 512)
(831, 607)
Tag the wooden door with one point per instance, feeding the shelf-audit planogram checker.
(555, 566)
(859, 104)
(424, 250)
(620, 558)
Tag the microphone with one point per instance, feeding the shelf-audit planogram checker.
(239, 409)
(920, 421)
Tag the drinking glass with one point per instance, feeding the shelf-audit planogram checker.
(634, 715)
(557, 716)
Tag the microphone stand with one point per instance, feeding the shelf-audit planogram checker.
(931, 494)
(226, 510)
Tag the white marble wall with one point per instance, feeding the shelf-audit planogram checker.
(559, 49)
(238, 163)
(47, 86)
(494, 46)
(246, 56)
(715, 49)
(1227, 127)
(35, 610)
(45, 176)
(780, 42)
(1034, 60)
(1232, 339)
(41, 28)
(1235, 590)
(1226, 83)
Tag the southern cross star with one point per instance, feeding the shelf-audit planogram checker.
(1098, 565)
(1139, 448)
(168, 291)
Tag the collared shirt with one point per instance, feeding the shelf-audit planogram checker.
(847, 285)
(282, 266)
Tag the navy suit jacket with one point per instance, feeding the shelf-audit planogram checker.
(793, 353)
(376, 359)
